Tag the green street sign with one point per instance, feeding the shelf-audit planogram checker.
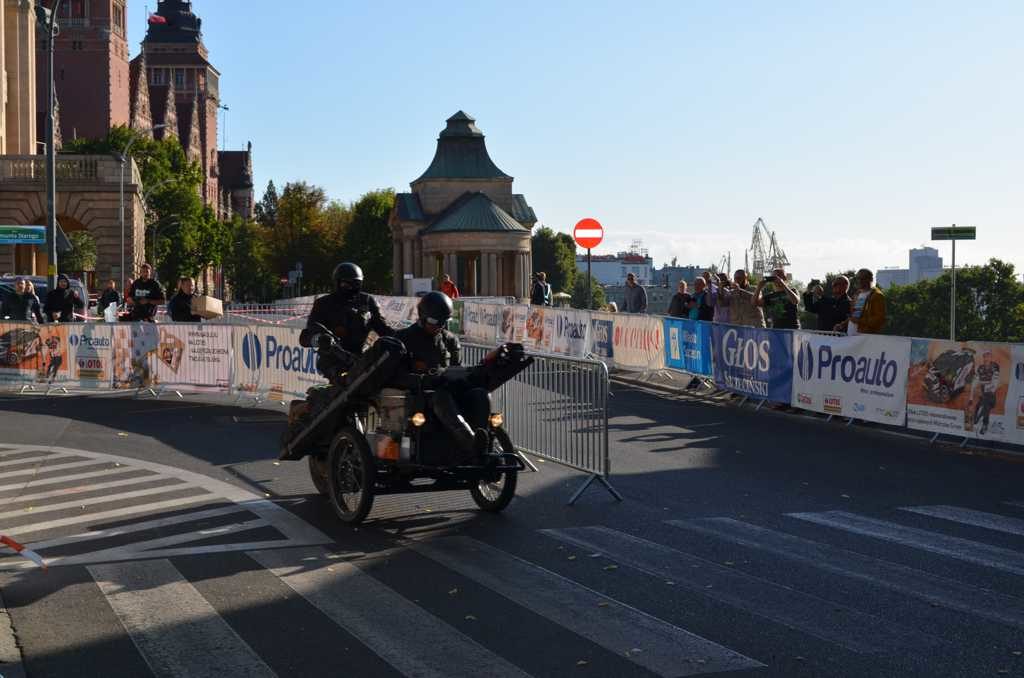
(954, 233)
(22, 235)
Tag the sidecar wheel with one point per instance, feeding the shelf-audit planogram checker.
(494, 496)
(350, 476)
(318, 473)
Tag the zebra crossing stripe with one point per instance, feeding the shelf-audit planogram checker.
(36, 484)
(89, 487)
(113, 513)
(403, 634)
(38, 460)
(966, 550)
(815, 616)
(668, 650)
(45, 467)
(906, 580)
(187, 637)
(965, 516)
(135, 494)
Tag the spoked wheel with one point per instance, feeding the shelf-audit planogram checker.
(318, 472)
(494, 494)
(350, 476)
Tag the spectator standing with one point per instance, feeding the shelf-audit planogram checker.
(832, 311)
(779, 302)
(449, 288)
(109, 297)
(701, 305)
(146, 295)
(679, 305)
(23, 305)
(62, 302)
(37, 306)
(740, 298)
(720, 298)
(540, 293)
(635, 297)
(868, 313)
(180, 305)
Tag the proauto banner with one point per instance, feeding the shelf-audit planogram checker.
(639, 341)
(688, 346)
(269, 361)
(863, 376)
(398, 312)
(970, 389)
(567, 332)
(91, 355)
(753, 361)
(480, 322)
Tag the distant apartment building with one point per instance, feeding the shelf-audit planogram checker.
(925, 264)
(669, 276)
(612, 269)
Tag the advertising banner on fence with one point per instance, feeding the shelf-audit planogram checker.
(480, 322)
(688, 346)
(193, 356)
(268, 360)
(862, 376)
(754, 362)
(455, 323)
(513, 323)
(92, 353)
(398, 312)
(567, 332)
(969, 389)
(533, 336)
(34, 353)
(602, 331)
(639, 342)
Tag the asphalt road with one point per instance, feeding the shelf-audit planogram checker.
(748, 544)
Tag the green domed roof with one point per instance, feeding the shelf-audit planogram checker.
(461, 153)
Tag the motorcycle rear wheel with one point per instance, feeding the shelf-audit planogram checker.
(493, 497)
(350, 476)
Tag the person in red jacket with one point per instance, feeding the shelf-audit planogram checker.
(448, 287)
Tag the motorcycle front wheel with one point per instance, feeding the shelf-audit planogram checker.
(494, 496)
(350, 476)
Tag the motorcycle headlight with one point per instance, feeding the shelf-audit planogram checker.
(418, 419)
(496, 420)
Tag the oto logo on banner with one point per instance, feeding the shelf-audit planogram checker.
(863, 377)
(969, 389)
(270, 360)
(639, 342)
(754, 362)
(688, 346)
(92, 353)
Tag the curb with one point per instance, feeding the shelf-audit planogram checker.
(10, 651)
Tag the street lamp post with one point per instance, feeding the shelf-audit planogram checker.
(123, 158)
(48, 21)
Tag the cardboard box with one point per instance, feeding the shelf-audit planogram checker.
(207, 307)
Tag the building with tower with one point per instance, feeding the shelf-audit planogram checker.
(462, 219)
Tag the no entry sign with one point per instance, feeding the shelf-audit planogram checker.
(588, 234)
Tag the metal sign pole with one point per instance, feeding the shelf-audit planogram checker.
(590, 285)
(952, 297)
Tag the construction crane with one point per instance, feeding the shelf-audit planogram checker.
(725, 264)
(765, 252)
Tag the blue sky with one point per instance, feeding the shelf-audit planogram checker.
(851, 127)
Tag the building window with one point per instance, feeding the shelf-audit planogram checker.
(74, 9)
(179, 78)
(118, 19)
(158, 77)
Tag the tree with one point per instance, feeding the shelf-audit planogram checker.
(244, 266)
(293, 235)
(579, 293)
(555, 254)
(368, 240)
(82, 256)
(266, 208)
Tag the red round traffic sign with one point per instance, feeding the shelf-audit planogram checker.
(588, 234)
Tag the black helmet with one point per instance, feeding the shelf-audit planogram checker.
(435, 308)
(348, 275)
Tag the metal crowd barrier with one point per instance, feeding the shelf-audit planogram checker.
(558, 410)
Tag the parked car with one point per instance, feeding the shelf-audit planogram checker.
(40, 283)
(18, 345)
(949, 374)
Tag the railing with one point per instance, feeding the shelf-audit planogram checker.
(73, 22)
(82, 168)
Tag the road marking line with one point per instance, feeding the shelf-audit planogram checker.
(35, 484)
(810, 614)
(89, 487)
(41, 459)
(953, 547)
(100, 500)
(188, 637)
(46, 467)
(906, 580)
(668, 649)
(114, 513)
(403, 634)
(965, 516)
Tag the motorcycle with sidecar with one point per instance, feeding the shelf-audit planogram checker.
(374, 431)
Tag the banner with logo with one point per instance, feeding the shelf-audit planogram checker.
(533, 336)
(269, 361)
(638, 341)
(753, 362)
(970, 389)
(602, 331)
(91, 360)
(567, 332)
(688, 346)
(193, 356)
(512, 326)
(34, 354)
(131, 355)
(862, 376)
(480, 322)
(398, 312)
